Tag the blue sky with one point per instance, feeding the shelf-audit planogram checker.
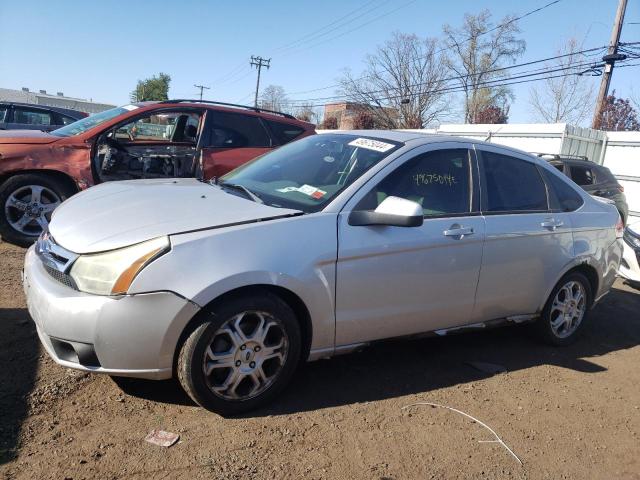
(99, 49)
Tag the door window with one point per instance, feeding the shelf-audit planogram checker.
(582, 175)
(161, 127)
(3, 113)
(564, 198)
(233, 130)
(29, 116)
(511, 184)
(284, 132)
(439, 181)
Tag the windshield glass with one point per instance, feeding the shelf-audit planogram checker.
(81, 126)
(307, 174)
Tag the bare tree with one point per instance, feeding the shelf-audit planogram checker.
(567, 99)
(476, 53)
(401, 84)
(306, 113)
(274, 98)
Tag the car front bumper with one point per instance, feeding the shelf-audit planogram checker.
(130, 335)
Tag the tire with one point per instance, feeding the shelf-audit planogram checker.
(227, 342)
(555, 330)
(17, 194)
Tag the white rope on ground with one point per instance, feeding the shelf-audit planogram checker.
(497, 440)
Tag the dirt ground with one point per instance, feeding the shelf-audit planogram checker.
(566, 413)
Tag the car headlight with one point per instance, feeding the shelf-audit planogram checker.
(111, 273)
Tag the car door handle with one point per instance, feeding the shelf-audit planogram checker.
(457, 231)
(551, 223)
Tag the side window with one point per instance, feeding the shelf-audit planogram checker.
(284, 132)
(161, 127)
(3, 113)
(559, 166)
(439, 181)
(29, 116)
(511, 184)
(566, 199)
(582, 175)
(234, 130)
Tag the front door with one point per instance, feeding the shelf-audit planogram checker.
(394, 281)
(232, 140)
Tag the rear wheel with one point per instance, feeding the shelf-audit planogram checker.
(27, 202)
(566, 310)
(242, 356)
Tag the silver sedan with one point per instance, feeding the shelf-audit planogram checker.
(315, 249)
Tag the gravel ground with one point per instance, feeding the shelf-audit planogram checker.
(566, 413)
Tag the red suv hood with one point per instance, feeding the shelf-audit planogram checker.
(26, 136)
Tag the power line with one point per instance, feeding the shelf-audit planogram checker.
(386, 14)
(493, 83)
(310, 36)
(508, 22)
(533, 62)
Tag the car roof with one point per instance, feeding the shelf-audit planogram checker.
(423, 138)
(66, 111)
(230, 107)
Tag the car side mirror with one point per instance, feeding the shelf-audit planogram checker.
(392, 212)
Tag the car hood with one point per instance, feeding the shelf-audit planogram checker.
(26, 136)
(117, 214)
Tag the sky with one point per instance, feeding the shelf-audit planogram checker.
(99, 49)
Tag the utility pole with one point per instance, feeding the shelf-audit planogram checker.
(201, 87)
(259, 62)
(610, 59)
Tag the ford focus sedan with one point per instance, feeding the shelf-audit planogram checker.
(315, 249)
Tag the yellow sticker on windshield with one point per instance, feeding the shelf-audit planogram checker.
(369, 144)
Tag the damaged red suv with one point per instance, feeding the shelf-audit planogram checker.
(174, 138)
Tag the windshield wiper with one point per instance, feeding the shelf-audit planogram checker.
(243, 189)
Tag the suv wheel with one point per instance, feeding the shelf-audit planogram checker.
(242, 356)
(566, 310)
(26, 203)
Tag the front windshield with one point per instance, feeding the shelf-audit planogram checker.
(307, 174)
(81, 126)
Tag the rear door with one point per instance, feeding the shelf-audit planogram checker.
(527, 243)
(232, 139)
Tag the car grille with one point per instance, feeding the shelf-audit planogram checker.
(56, 260)
(63, 278)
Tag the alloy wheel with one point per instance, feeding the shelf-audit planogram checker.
(245, 355)
(28, 209)
(568, 309)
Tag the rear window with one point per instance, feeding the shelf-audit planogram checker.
(582, 175)
(233, 130)
(284, 132)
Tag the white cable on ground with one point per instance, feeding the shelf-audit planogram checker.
(497, 440)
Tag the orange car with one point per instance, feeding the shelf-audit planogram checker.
(173, 138)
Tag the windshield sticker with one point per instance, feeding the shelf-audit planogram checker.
(130, 107)
(369, 144)
(308, 190)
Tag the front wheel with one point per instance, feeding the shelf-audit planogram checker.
(27, 202)
(566, 310)
(242, 355)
